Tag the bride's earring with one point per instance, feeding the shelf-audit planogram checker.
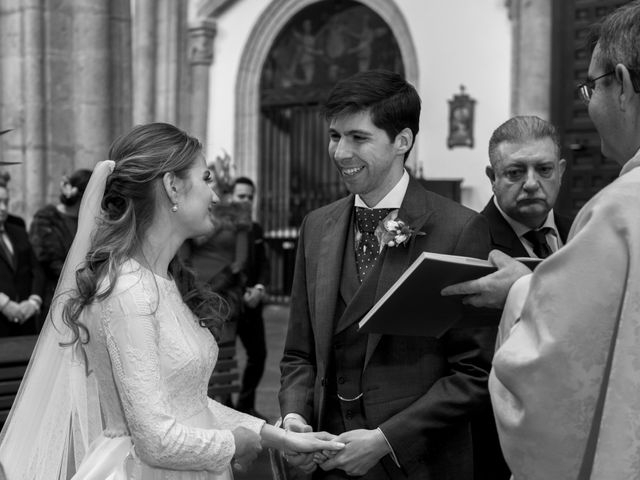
(174, 208)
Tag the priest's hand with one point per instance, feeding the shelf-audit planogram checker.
(491, 290)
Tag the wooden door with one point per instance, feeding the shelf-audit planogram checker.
(587, 170)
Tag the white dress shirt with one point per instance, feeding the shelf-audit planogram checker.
(552, 236)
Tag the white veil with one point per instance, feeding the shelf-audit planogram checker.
(56, 413)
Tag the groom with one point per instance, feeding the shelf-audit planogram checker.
(401, 404)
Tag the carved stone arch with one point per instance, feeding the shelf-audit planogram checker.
(255, 52)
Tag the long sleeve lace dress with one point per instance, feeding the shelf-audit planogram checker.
(153, 360)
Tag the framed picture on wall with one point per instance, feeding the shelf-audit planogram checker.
(461, 115)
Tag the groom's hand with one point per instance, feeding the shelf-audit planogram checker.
(303, 461)
(364, 448)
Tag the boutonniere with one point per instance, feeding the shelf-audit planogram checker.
(392, 231)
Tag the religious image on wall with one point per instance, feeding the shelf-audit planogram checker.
(324, 43)
(461, 114)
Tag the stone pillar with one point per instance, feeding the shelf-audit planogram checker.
(167, 58)
(531, 57)
(92, 133)
(34, 106)
(11, 108)
(60, 121)
(65, 70)
(120, 67)
(201, 37)
(22, 101)
(144, 59)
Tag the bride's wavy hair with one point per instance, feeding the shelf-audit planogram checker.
(141, 157)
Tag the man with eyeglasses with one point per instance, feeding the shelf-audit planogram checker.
(565, 383)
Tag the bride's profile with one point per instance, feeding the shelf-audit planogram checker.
(117, 385)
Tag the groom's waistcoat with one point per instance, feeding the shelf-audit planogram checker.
(348, 347)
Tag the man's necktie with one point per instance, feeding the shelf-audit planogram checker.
(368, 247)
(538, 239)
(4, 248)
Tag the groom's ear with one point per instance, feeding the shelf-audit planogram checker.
(404, 141)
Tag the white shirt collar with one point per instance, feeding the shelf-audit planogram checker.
(632, 163)
(393, 199)
(520, 229)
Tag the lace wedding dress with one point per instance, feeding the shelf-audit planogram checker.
(137, 408)
(152, 361)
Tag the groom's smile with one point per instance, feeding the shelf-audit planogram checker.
(366, 158)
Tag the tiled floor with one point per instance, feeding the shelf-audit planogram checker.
(276, 318)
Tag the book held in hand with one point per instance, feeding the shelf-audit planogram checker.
(413, 305)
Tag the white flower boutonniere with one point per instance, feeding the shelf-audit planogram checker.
(392, 232)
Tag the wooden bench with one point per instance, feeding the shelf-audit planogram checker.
(15, 353)
(225, 379)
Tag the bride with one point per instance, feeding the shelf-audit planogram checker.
(117, 386)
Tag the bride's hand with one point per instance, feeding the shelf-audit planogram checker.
(311, 442)
(247, 448)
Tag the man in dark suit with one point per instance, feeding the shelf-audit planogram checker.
(21, 278)
(250, 322)
(401, 404)
(526, 173)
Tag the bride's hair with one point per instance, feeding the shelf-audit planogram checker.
(141, 157)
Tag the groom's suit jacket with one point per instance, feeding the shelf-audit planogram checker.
(419, 390)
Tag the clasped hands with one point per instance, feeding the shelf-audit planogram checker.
(362, 450)
(290, 443)
(20, 312)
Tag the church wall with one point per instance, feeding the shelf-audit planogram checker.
(464, 42)
(233, 30)
(457, 42)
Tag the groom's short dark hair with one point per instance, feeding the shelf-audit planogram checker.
(393, 102)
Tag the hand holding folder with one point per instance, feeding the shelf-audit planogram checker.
(414, 304)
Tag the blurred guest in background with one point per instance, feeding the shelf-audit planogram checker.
(54, 227)
(13, 219)
(21, 278)
(220, 259)
(251, 323)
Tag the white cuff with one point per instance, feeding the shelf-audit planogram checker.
(391, 452)
(293, 416)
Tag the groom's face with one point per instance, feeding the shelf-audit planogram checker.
(369, 162)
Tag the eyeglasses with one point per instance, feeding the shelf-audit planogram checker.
(586, 89)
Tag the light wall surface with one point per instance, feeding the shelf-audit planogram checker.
(233, 30)
(458, 42)
(464, 42)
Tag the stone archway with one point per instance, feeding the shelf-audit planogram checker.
(256, 50)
